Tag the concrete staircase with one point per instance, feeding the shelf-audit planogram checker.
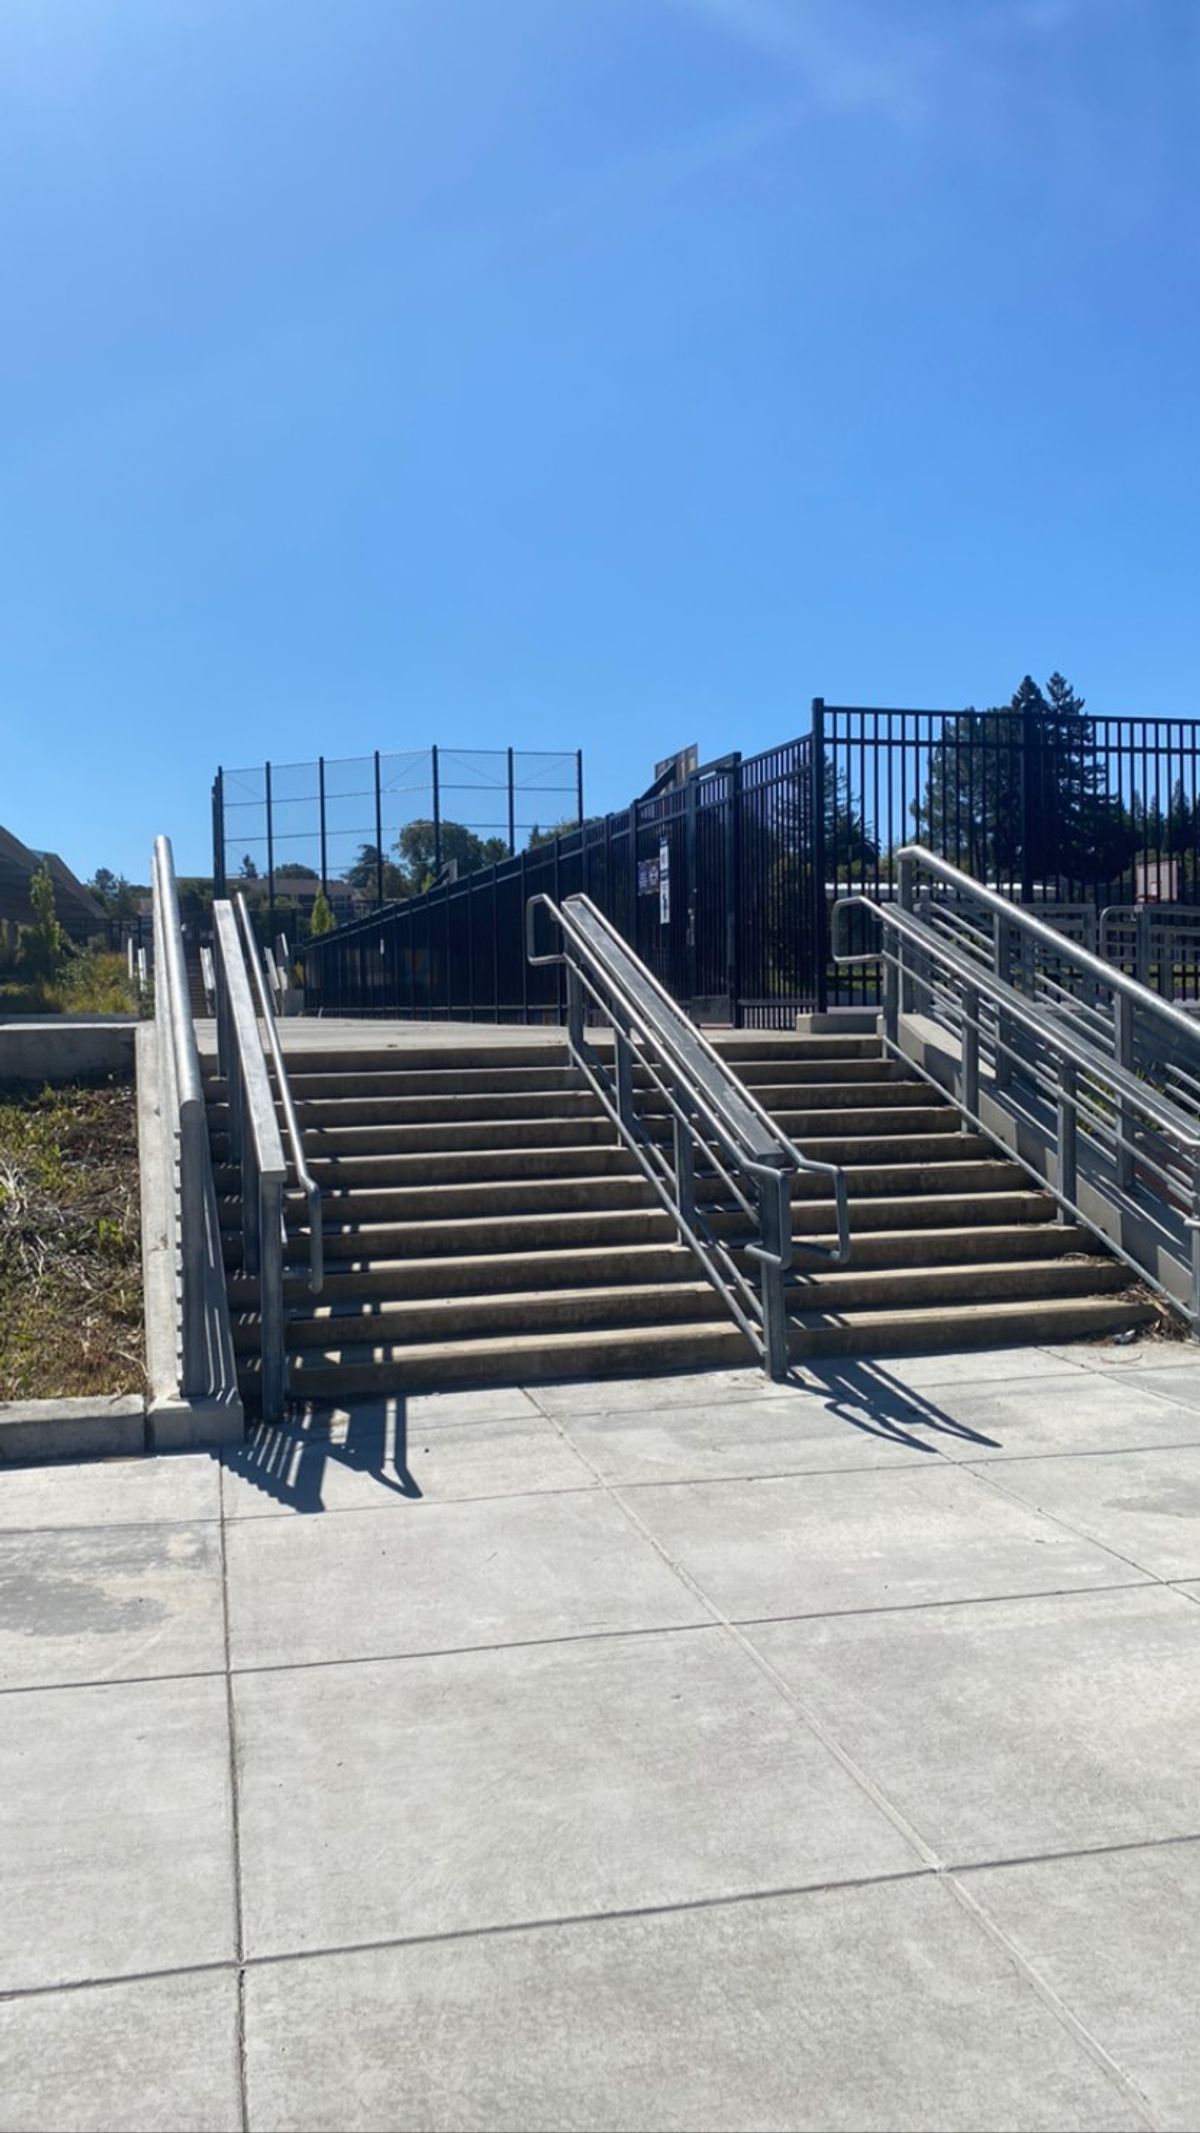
(483, 1226)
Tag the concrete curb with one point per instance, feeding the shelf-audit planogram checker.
(97, 1428)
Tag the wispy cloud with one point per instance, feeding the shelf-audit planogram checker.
(843, 60)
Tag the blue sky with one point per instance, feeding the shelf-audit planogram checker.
(600, 373)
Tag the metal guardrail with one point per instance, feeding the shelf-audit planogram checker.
(721, 1137)
(304, 1177)
(1062, 1040)
(1158, 944)
(192, 1205)
(255, 1146)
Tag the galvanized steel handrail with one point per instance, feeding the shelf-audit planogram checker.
(1084, 1064)
(256, 1147)
(304, 1177)
(182, 1093)
(713, 1113)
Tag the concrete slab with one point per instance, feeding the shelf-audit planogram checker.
(281, 1470)
(1171, 1381)
(983, 1366)
(115, 1832)
(111, 1492)
(1019, 1726)
(152, 2057)
(1081, 1414)
(1145, 1505)
(362, 1418)
(488, 1788)
(110, 1603)
(828, 1543)
(612, 1396)
(881, 2007)
(1118, 1938)
(737, 1439)
(99, 1427)
(443, 1577)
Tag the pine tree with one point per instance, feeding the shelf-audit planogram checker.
(323, 920)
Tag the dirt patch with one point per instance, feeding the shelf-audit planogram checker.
(70, 1242)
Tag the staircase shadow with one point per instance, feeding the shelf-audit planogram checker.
(289, 1461)
(865, 1396)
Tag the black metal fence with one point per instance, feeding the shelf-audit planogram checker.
(724, 884)
(337, 824)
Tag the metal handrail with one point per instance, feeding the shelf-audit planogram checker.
(1086, 1065)
(1064, 949)
(255, 1145)
(712, 1111)
(304, 1177)
(183, 1104)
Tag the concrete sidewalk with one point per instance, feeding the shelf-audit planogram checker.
(691, 1753)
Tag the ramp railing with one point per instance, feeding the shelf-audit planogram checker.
(721, 1145)
(1091, 1080)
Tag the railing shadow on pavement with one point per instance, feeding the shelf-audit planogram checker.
(289, 1460)
(863, 1395)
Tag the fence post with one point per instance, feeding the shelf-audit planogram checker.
(820, 901)
(378, 834)
(579, 784)
(270, 847)
(219, 833)
(1029, 799)
(437, 811)
(733, 879)
(324, 853)
(512, 808)
(691, 962)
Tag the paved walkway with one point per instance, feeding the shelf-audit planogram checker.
(688, 1754)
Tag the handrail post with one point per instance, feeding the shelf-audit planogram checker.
(968, 1084)
(1002, 1064)
(1126, 1117)
(574, 1009)
(624, 1064)
(685, 1165)
(908, 897)
(1067, 1177)
(774, 1214)
(271, 1312)
(1142, 947)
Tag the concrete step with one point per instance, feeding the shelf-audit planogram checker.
(499, 1272)
(391, 1140)
(981, 1282)
(596, 1195)
(411, 1319)
(512, 1359)
(354, 1368)
(502, 1271)
(517, 1311)
(374, 1173)
(337, 1174)
(357, 1242)
(929, 1329)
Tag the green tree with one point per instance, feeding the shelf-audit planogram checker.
(323, 920)
(418, 843)
(1025, 772)
(364, 874)
(249, 872)
(45, 946)
(295, 870)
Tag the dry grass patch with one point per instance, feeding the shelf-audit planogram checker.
(70, 1242)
